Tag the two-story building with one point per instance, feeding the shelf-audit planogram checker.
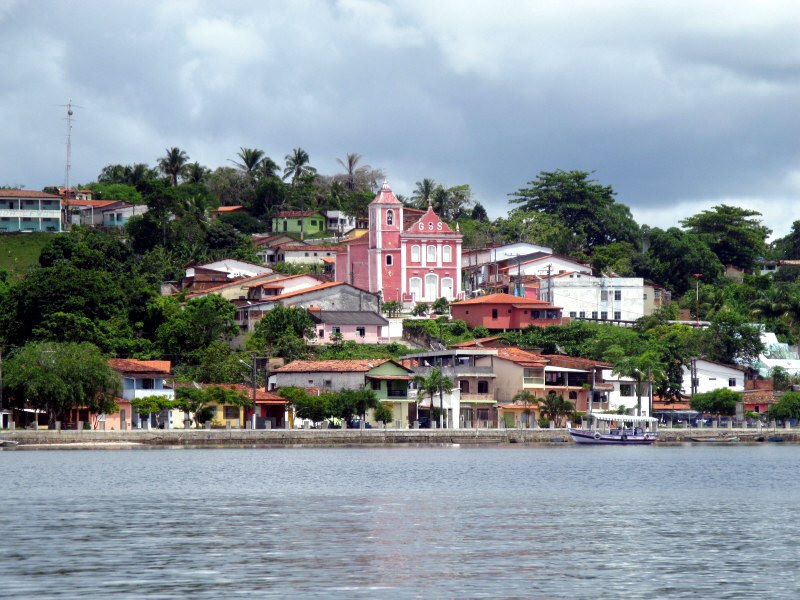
(140, 379)
(304, 222)
(27, 210)
(499, 312)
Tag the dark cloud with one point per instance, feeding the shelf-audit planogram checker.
(677, 105)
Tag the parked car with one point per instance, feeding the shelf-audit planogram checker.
(356, 424)
(424, 423)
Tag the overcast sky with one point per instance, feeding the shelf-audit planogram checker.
(679, 105)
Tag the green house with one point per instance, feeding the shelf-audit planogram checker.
(389, 380)
(299, 221)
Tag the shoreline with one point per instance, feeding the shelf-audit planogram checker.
(277, 438)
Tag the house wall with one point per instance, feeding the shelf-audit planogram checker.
(311, 224)
(582, 296)
(712, 376)
(508, 317)
(304, 257)
(324, 331)
(324, 381)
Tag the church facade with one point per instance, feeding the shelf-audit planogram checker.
(408, 262)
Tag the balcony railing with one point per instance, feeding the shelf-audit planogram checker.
(533, 382)
(397, 393)
(458, 371)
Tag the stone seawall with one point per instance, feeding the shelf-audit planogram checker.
(348, 437)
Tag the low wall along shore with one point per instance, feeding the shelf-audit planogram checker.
(347, 437)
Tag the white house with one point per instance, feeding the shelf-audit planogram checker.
(584, 296)
(712, 376)
(623, 393)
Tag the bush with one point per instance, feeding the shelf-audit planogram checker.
(480, 332)
(420, 310)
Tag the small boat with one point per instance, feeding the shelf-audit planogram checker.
(775, 438)
(8, 443)
(715, 439)
(609, 428)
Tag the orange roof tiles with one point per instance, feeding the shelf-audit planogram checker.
(132, 365)
(301, 248)
(296, 213)
(522, 357)
(502, 299)
(331, 366)
(27, 194)
(313, 288)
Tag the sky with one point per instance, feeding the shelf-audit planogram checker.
(679, 105)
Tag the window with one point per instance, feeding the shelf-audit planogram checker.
(447, 254)
(535, 314)
(285, 224)
(390, 217)
(494, 313)
(148, 384)
(582, 314)
(463, 385)
(376, 385)
(573, 395)
(604, 296)
(415, 288)
(431, 287)
(626, 389)
(617, 315)
(230, 412)
(732, 382)
(617, 294)
(483, 387)
(431, 253)
(594, 314)
(300, 222)
(313, 222)
(361, 331)
(321, 334)
(414, 253)
(573, 314)
(447, 288)
(389, 260)
(604, 315)
(336, 330)
(644, 296)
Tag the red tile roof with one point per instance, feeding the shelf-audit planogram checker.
(132, 365)
(225, 209)
(27, 194)
(90, 203)
(504, 299)
(522, 357)
(313, 288)
(571, 362)
(477, 343)
(331, 366)
(306, 248)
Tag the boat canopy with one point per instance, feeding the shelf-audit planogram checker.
(623, 418)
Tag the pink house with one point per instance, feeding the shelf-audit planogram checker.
(415, 264)
(364, 327)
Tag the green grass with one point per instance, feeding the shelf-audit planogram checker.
(18, 251)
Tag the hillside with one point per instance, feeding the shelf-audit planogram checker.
(18, 251)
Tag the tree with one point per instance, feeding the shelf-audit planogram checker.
(392, 308)
(420, 309)
(423, 192)
(441, 306)
(644, 369)
(586, 208)
(152, 405)
(383, 414)
(435, 382)
(59, 377)
(527, 399)
(200, 401)
(282, 321)
(350, 165)
(717, 402)
(195, 173)
(202, 321)
(555, 407)
(297, 166)
(479, 213)
(787, 407)
(730, 338)
(347, 403)
(250, 159)
(732, 233)
(172, 163)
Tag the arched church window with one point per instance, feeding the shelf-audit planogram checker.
(390, 217)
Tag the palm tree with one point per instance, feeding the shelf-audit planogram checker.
(250, 159)
(526, 398)
(432, 384)
(645, 368)
(555, 407)
(172, 163)
(423, 192)
(195, 172)
(297, 165)
(268, 168)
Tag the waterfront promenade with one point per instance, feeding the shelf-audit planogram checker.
(352, 437)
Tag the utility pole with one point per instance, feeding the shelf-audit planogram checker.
(697, 277)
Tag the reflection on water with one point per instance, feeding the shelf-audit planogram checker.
(401, 522)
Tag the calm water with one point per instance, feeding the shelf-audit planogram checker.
(565, 522)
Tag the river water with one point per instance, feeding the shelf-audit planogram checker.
(541, 522)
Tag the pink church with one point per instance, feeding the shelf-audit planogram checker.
(420, 263)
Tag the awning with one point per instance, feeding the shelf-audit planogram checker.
(551, 368)
(621, 418)
(390, 377)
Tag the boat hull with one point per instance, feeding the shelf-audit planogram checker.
(587, 436)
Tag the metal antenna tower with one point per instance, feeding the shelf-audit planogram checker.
(69, 106)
